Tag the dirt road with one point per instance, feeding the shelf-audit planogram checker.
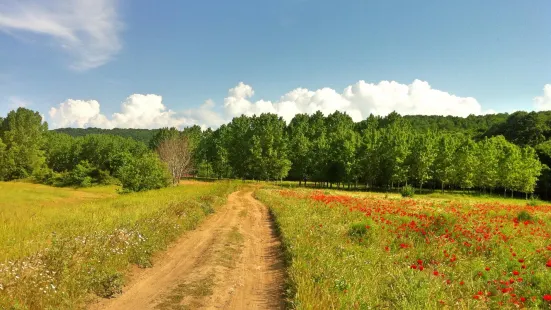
(230, 262)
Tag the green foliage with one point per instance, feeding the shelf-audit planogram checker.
(143, 173)
(383, 152)
(407, 191)
(140, 135)
(22, 136)
(524, 216)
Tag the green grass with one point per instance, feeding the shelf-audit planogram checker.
(61, 246)
(357, 250)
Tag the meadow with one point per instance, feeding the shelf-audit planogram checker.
(350, 250)
(62, 247)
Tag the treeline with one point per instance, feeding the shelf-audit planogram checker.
(142, 135)
(29, 150)
(380, 152)
(510, 153)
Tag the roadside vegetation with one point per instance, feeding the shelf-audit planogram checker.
(60, 247)
(348, 250)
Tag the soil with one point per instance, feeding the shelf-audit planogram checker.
(231, 261)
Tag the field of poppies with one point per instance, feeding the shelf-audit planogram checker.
(366, 251)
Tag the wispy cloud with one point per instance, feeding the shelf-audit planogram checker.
(88, 30)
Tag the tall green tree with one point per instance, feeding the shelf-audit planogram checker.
(299, 148)
(22, 132)
(487, 168)
(466, 162)
(444, 165)
(422, 157)
(268, 148)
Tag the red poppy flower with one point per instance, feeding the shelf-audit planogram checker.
(461, 283)
(516, 273)
(421, 267)
(487, 268)
(548, 263)
(420, 262)
(547, 297)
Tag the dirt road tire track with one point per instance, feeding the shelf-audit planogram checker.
(231, 261)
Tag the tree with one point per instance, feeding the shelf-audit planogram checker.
(177, 155)
(530, 170)
(487, 174)
(368, 151)
(466, 162)
(162, 135)
(3, 161)
(22, 132)
(395, 149)
(299, 148)
(509, 166)
(237, 143)
(343, 144)
(268, 148)
(143, 173)
(444, 166)
(422, 157)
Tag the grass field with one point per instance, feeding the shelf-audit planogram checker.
(61, 246)
(349, 250)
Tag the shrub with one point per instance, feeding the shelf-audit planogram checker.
(524, 216)
(143, 173)
(358, 230)
(407, 191)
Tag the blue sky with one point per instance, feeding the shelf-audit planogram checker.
(495, 52)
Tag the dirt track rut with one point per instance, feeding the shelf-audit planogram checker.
(231, 261)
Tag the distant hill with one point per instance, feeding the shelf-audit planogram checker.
(142, 135)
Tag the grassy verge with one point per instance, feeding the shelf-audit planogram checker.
(60, 246)
(361, 251)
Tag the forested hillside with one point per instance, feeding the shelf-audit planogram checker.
(505, 153)
(142, 135)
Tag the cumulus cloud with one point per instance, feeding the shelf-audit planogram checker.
(137, 111)
(86, 29)
(357, 100)
(544, 102)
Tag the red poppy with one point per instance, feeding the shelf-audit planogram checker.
(436, 273)
(548, 263)
(547, 297)
(461, 283)
(487, 268)
(421, 267)
(516, 273)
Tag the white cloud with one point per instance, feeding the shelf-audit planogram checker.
(86, 29)
(137, 111)
(544, 102)
(357, 100)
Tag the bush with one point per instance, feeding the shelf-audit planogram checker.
(407, 191)
(143, 173)
(524, 216)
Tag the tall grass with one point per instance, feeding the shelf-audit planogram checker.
(362, 251)
(59, 247)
